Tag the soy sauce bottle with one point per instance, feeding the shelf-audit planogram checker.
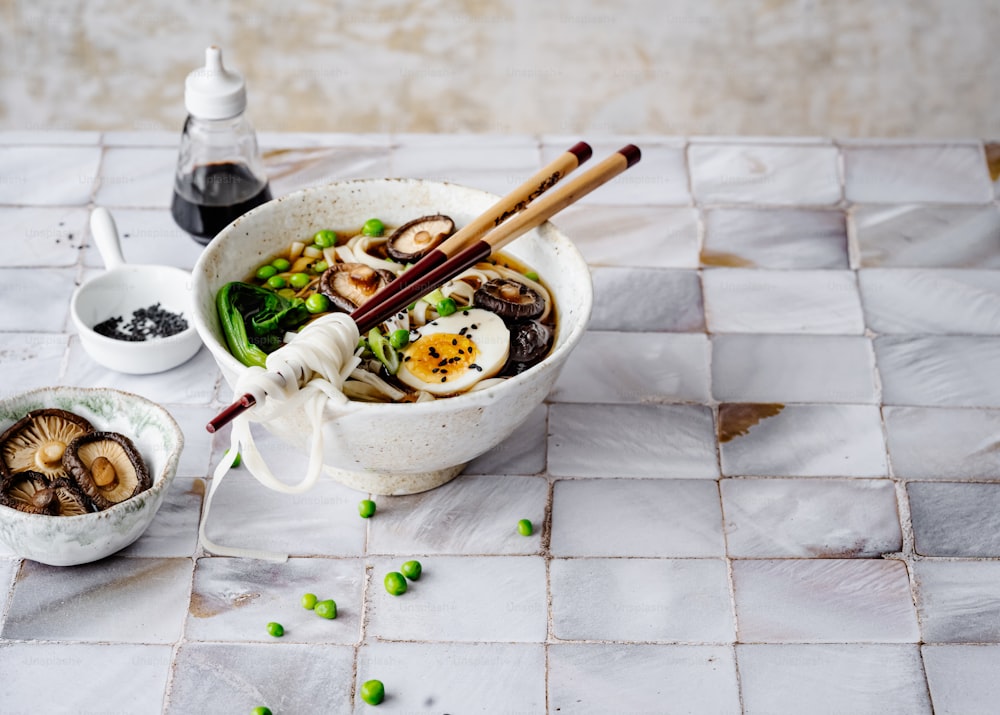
(220, 175)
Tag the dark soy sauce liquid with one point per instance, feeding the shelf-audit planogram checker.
(220, 191)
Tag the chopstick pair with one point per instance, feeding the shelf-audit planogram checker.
(525, 208)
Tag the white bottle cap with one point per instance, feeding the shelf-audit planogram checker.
(213, 92)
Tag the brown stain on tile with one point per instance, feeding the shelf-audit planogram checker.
(197, 488)
(724, 259)
(993, 160)
(735, 420)
(202, 606)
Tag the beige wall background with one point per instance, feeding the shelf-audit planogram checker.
(926, 68)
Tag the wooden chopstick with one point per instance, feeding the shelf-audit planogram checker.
(534, 215)
(511, 204)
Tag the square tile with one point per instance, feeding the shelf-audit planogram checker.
(936, 173)
(137, 177)
(521, 453)
(291, 169)
(174, 530)
(661, 367)
(234, 677)
(8, 570)
(111, 599)
(932, 301)
(471, 515)
(646, 300)
(824, 601)
(657, 441)
(793, 368)
(610, 607)
(589, 677)
(49, 237)
(920, 236)
(462, 599)
(509, 166)
(779, 238)
(149, 236)
(740, 300)
(669, 518)
(801, 440)
(954, 371)
(962, 678)
(48, 316)
(952, 519)
(454, 677)
(59, 678)
(942, 443)
(762, 174)
(958, 601)
(644, 236)
(48, 176)
(31, 360)
(197, 459)
(832, 679)
(234, 599)
(810, 518)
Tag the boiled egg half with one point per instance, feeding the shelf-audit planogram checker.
(455, 352)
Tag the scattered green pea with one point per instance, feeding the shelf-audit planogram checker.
(261, 710)
(395, 583)
(275, 282)
(275, 629)
(372, 692)
(325, 238)
(399, 338)
(309, 601)
(446, 307)
(412, 570)
(317, 303)
(373, 227)
(366, 508)
(327, 609)
(320, 266)
(265, 272)
(282, 264)
(531, 276)
(236, 460)
(299, 280)
(525, 527)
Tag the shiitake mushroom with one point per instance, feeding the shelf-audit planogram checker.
(510, 299)
(348, 285)
(38, 441)
(107, 466)
(414, 240)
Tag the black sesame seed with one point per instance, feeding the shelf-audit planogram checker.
(444, 379)
(437, 369)
(454, 341)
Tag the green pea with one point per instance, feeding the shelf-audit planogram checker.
(320, 266)
(531, 276)
(399, 338)
(325, 238)
(366, 508)
(299, 280)
(373, 227)
(275, 629)
(309, 601)
(236, 460)
(525, 527)
(372, 692)
(282, 264)
(395, 583)
(317, 303)
(265, 272)
(275, 282)
(412, 570)
(261, 710)
(446, 307)
(327, 609)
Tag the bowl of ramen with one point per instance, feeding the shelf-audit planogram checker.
(408, 404)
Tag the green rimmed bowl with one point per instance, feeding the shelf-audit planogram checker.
(71, 540)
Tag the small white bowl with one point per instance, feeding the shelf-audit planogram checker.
(120, 291)
(71, 540)
(397, 448)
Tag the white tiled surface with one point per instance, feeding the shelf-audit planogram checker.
(766, 481)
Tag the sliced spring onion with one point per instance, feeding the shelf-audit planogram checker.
(383, 351)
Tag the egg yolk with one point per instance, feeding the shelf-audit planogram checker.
(438, 357)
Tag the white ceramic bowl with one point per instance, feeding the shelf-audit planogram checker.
(70, 540)
(397, 448)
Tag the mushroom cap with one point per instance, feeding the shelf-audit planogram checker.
(529, 341)
(107, 467)
(38, 440)
(510, 299)
(412, 241)
(28, 491)
(348, 285)
(70, 499)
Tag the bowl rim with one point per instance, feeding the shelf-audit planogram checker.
(166, 474)
(466, 399)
